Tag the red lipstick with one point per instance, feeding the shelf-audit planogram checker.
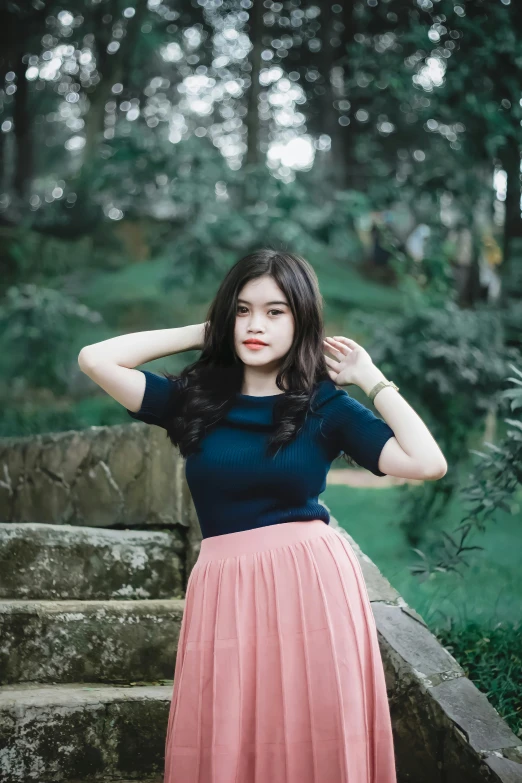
(254, 344)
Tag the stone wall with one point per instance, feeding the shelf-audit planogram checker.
(122, 476)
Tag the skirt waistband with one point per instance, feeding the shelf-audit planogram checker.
(259, 539)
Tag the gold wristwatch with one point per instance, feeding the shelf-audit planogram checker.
(379, 386)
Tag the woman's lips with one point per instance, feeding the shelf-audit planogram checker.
(255, 346)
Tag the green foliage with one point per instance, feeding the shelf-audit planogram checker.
(31, 255)
(36, 326)
(492, 659)
(426, 283)
(34, 417)
(153, 145)
(491, 486)
(449, 364)
(285, 216)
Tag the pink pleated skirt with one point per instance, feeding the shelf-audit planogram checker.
(278, 676)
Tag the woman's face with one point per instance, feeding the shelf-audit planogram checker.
(263, 314)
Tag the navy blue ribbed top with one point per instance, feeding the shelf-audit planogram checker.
(235, 486)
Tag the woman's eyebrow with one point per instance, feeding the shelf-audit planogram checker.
(266, 303)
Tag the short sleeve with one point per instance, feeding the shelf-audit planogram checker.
(358, 432)
(158, 399)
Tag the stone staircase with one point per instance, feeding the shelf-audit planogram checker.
(98, 535)
(88, 636)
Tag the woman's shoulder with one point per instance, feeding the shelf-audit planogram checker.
(160, 398)
(327, 394)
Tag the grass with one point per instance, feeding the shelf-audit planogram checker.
(493, 661)
(490, 590)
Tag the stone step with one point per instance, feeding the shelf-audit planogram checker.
(82, 732)
(101, 641)
(42, 561)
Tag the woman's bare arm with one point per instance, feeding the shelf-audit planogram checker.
(110, 363)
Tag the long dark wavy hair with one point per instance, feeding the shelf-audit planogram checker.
(210, 384)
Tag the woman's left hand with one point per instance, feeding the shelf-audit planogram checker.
(351, 361)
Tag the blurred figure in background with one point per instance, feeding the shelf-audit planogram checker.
(490, 258)
(416, 242)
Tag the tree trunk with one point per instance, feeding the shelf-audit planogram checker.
(336, 169)
(22, 130)
(510, 159)
(112, 69)
(19, 31)
(252, 117)
(350, 164)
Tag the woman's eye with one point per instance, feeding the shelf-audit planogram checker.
(278, 312)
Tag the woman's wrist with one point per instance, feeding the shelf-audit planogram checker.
(367, 379)
(199, 336)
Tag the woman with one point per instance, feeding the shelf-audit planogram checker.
(278, 672)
